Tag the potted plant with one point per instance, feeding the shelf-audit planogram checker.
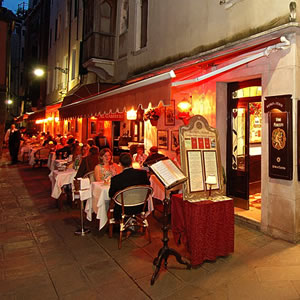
(153, 115)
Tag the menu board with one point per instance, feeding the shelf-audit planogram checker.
(211, 167)
(195, 171)
(200, 158)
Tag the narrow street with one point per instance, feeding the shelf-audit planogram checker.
(41, 258)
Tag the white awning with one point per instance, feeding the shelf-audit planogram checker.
(284, 44)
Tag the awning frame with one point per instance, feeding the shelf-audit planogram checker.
(284, 44)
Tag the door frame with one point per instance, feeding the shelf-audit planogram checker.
(241, 199)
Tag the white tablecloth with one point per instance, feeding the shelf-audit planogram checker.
(158, 188)
(31, 155)
(51, 161)
(60, 178)
(99, 203)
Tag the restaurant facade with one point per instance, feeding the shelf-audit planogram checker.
(239, 73)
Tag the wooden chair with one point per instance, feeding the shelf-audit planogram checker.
(129, 197)
(41, 156)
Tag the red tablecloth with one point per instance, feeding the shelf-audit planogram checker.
(206, 227)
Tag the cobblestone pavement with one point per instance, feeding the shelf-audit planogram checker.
(41, 258)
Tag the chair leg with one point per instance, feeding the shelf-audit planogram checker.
(121, 231)
(120, 239)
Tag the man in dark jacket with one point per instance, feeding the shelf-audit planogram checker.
(14, 141)
(128, 177)
(153, 157)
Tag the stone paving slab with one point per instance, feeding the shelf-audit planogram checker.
(41, 258)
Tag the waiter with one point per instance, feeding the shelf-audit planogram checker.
(13, 136)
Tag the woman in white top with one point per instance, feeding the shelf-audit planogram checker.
(140, 156)
(107, 168)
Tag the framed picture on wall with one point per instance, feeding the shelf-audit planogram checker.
(174, 139)
(162, 139)
(170, 114)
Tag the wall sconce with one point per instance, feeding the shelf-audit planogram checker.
(38, 72)
(184, 108)
(210, 180)
(65, 71)
(131, 114)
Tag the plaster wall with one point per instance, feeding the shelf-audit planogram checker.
(178, 29)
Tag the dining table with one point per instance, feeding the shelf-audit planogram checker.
(99, 203)
(59, 179)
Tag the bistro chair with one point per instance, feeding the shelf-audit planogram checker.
(81, 192)
(41, 156)
(133, 196)
(90, 175)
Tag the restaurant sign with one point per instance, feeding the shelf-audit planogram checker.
(117, 116)
(280, 155)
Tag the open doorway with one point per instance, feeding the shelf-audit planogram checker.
(244, 148)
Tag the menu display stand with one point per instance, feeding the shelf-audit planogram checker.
(170, 176)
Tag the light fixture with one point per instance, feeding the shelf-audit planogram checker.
(131, 114)
(38, 72)
(9, 101)
(65, 71)
(56, 119)
(210, 180)
(184, 108)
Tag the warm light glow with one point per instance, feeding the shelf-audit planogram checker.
(40, 121)
(211, 180)
(93, 118)
(131, 114)
(49, 118)
(9, 101)
(135, 165)
(39, 72)
(80, 144)
(56, 119)
(184, 106)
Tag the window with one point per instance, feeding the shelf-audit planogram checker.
(56, 76)
(58, 26)
(105, 17)
(67, 11)
(73, 64)
(75, 8)
(55, 33)
(66, 66)
(50, 38)
(124, 17)
(141, 25)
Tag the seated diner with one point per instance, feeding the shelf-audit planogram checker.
(106, 168)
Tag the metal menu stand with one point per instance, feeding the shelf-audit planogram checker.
(165, 251)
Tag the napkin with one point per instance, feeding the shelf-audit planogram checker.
(84, 183)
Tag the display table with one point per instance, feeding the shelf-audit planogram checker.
(206, 228)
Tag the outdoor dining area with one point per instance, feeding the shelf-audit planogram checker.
(83, 177)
